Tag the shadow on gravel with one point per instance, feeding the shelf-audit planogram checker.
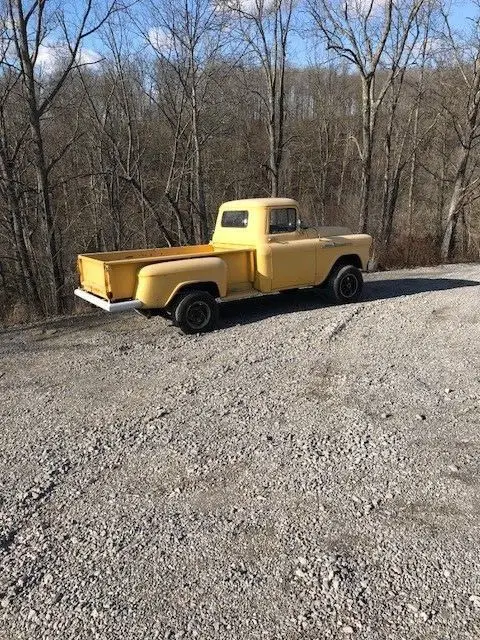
(255, 309)
(384, 289)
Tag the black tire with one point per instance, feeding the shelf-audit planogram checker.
(345, 284)
(289, 292)
(195, 312)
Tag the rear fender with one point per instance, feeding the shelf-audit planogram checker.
(158, 284)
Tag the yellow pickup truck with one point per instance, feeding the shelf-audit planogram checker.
(259, 245)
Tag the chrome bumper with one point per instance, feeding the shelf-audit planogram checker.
(106, 305)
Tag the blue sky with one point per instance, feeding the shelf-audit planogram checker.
(303, 50)
(461, 11)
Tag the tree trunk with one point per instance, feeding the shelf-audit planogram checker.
(25, 271)
(52, 257)
(54, 266)
(272, 142)
(455, 208)
(387, 210)
(367, 150)
(391, 205)
(365, 188)
(411, 184)
(273, 169)
(199, 183)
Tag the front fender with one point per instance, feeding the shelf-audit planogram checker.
(157, 284)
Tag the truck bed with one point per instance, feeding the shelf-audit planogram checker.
(113, 275)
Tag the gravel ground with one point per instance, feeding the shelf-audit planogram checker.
(308, 471)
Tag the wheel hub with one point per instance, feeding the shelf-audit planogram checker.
(198, 315)
(348, 286)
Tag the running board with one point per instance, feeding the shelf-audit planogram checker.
(106, 305)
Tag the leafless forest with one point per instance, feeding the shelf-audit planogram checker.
(127, 124)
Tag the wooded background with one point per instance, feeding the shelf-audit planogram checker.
(126, 125)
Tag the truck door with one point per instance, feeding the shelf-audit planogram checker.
(293, 255)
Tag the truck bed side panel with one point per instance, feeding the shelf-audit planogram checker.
(146, 254)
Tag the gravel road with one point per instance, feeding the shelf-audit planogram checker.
(308, 471)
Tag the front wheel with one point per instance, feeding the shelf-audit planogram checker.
(195, 312)
(345, 284)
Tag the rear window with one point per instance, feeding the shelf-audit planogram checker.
(283, 220)
(237, 219)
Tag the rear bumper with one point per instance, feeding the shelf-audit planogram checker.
(106, 305)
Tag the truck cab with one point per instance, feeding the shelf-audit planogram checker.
(288, 254)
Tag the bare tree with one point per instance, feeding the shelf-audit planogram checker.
(188, 37)
(11, 188)
(466, 124)
(265, 28)
(35, 27)
(403, 131)
(116, 123)
(361, 33)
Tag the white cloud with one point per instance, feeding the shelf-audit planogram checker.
(160, 40)
(361, 7)
(249, 7)
(52, 56)
(89, 56)
(47, 58)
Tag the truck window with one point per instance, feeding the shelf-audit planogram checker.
(238, 219)
(283, 220)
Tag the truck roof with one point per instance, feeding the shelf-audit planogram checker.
(259, 202)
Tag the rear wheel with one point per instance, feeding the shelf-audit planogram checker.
(195, 312)
(345, 284)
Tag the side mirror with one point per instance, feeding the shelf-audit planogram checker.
(300, 225)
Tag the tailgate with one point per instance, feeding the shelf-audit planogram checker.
(109, 279)
(93, 276)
